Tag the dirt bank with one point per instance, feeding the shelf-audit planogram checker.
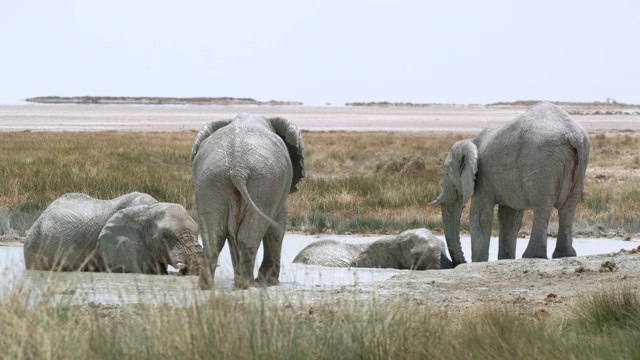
(533, 287)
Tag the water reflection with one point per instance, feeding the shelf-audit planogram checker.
(82, 288)
(11, 267)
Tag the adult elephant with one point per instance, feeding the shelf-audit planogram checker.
(416, 249)
(537, 161)
(243, 170)
(131, 233)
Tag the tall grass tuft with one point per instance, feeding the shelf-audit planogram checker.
(608, 310)
(500, 333)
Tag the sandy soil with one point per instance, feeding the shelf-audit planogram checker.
(437, 119)
(534, 287)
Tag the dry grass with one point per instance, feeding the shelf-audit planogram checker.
(356, 182)
(613, 184)
(39, 167)
(373, 182)
(604, 326)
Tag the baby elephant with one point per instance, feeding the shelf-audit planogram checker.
(133, 233)
(416, 249)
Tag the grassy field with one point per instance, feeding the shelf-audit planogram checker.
(604, 325)
(356, 182)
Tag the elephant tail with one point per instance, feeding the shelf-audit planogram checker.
(582, 146)
(240, 182)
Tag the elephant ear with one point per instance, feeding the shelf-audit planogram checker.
(460, 173)
(205, 132)
(468, 159)
(121, 243)
(292, 138)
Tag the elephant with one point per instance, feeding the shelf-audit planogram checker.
(243, 170)
(133, 233)
(416, 249)
(536, 161)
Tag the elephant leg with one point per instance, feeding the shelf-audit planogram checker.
(243, 260)
(270, 268)
(480, 219)
(537, 247)
(564, 243)
(250, 232)
(213, 238)
(509, 222)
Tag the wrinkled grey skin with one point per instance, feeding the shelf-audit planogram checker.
(243, 170)
(416, 249)
(131, 233)
(537, 161)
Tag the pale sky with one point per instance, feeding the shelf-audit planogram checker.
(320, 52)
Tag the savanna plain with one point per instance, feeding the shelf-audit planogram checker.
(357, 183)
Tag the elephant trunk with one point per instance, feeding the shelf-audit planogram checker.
(445, 263)
(451, 221)
(186, 256)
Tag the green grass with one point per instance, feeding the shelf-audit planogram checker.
(603, 326)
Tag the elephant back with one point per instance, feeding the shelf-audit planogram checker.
(330, 253)
(65, 235)
(204, 133)
(245, 123)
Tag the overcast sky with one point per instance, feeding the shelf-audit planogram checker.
(321, 52)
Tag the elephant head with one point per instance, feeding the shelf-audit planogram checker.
(419, 249)
(147, 238)
(460, 169)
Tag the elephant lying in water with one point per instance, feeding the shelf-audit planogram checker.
(133, 233)
(416, 249)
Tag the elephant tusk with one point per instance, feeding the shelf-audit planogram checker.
(434, 202)
(180, 265)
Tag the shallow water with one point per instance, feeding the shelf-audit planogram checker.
(128, 288)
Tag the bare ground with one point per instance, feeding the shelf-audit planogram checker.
(468, 119)
(531, 287)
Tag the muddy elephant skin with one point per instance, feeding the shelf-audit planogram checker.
(131, 233)
(537, 161)
(416, 249)
(243, 170)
